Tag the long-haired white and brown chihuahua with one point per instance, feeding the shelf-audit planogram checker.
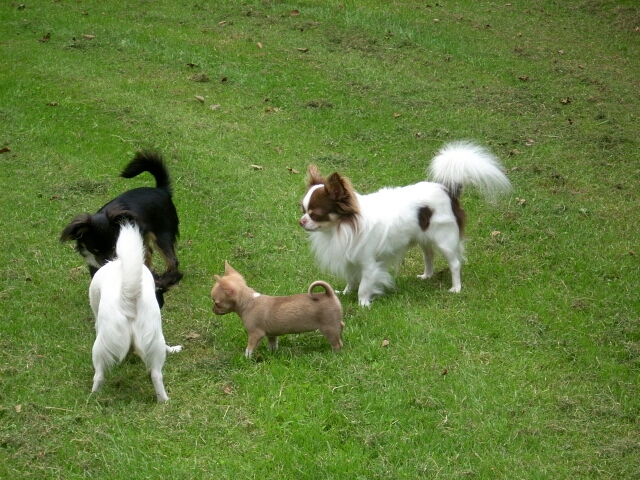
(361, 237)
(123, 299)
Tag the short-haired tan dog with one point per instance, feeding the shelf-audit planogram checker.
(265, 316)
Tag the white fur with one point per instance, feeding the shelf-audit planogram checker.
(388, 225)
(123, 300)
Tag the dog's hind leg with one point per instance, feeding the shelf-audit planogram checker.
(158, 385)
(166, 247)
(427, 255)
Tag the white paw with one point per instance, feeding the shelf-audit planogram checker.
(455, 289)
(365, 302)
(247, 353)
(424, 276)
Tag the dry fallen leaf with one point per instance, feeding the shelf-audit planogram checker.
(215, 107)
(259, 44)
(292, 170)
(228, 389)
(257, 167)
(89, 37)
(46, 38)
(495, 233)
(524, 78)
(444, 372)
(565, 101)
(385, 342)
(396, 115)
(52, 104)
(199, 98)
(5, 149)
(303, 50)
(192, 336)
(18, 408)
(294, 13)
(521, 201)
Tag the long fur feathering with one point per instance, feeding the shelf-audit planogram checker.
(130, 251)
(459, 164)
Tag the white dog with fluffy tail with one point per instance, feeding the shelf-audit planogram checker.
(123, 300)
(362, 237)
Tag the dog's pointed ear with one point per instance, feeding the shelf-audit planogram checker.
(338, 187)
(313, 176)
(228, 269)
(217, 278)
(78, 226)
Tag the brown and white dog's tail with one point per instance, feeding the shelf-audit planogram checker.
(327, 288)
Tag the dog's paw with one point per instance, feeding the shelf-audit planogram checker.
(455, 289)
(365, 302)
(176, 349)
(424, 276)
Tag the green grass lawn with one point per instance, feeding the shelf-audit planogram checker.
(531, 372)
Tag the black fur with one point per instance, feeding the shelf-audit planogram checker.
(151, 208)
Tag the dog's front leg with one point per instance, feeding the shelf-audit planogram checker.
(254, 340)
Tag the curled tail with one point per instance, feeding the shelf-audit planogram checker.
(151, 162)
(130, 252)
(327, 288)
(460, 164)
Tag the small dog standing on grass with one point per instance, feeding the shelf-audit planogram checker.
(151, 208)
(361, 237)
(263, 315)
(123, 300)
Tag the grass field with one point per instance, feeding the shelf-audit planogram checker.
(531, 372)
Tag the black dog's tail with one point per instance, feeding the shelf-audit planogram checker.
(147, 161)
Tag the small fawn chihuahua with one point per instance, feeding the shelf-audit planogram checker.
(263, 315)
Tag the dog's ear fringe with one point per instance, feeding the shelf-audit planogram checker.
(313, 176)
(80, 224)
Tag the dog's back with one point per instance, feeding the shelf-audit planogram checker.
(122, 295)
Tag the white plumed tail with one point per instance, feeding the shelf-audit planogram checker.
(460, 164)
(130, 252)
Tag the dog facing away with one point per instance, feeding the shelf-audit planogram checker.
(361, 237)
(263, 315)
(151, 208)
(122, 297)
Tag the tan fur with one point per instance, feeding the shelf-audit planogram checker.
(265, 316)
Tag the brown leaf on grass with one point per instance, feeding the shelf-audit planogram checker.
(191, 64)
(192, 336)
(385, 342)
(88, 37)
(294, 13)
(396, 114)
(259, 44)
(227, 389)
(292, 170)
(46, 38)
(561, 52)
(257, 167)
(565, 101)
(5, 150)
(52, 104)
(524, 78)
(223, 22)
(199, 98)
(444, 372)
(303, 50)
(495, 233)
(18, 408)
(223, 79)
(521, 201)
(215, 107)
